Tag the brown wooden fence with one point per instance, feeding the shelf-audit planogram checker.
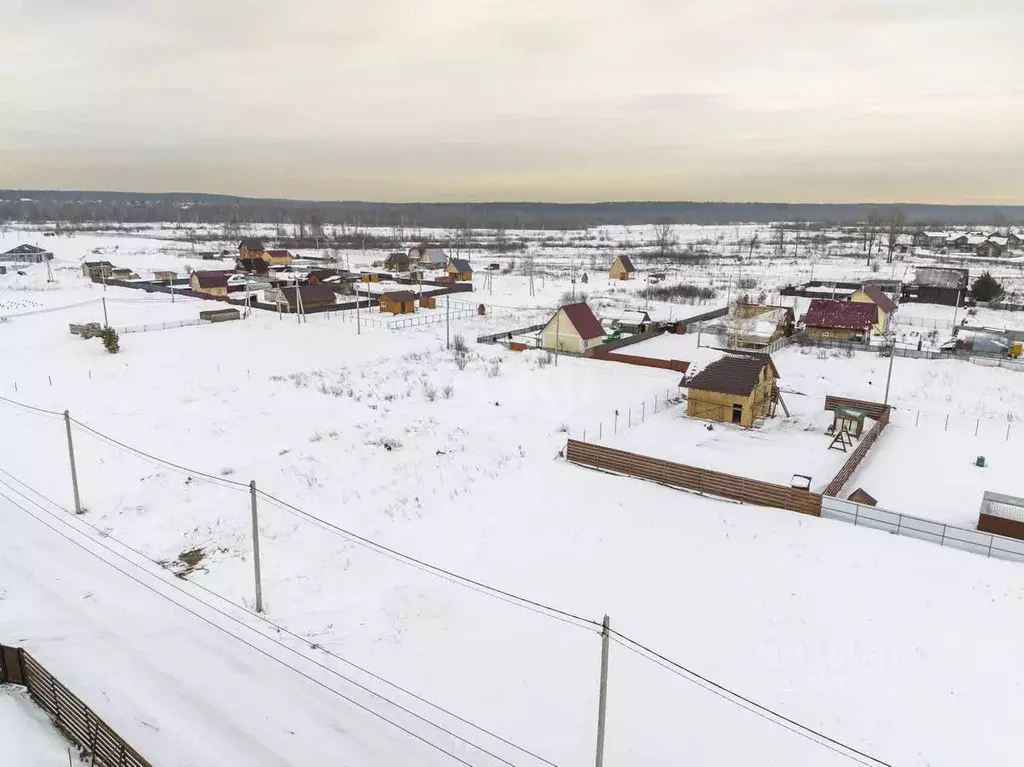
(873, 409)
(693, 478)
(631, 359)
(80, 723)
(836, 485)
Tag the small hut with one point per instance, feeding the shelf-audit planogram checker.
(621, 269)
(398, 302)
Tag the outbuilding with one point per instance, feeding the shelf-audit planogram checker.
(621, 269)
(934, 285)
(459, 269)
(312, 296)
(398, 302)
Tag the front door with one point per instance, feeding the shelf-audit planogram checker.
(737, 413)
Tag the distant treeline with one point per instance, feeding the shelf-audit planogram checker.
(37, 206)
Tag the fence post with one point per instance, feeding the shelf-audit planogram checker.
(643, 411)
(584, 435)
(600, 429)
(629, 422)
(917, 421)
(71, 457)
(947, 423)
(1008, 432)
(976, 426)
(256, 547)
(615, 428)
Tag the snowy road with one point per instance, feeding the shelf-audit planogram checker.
(180, 680)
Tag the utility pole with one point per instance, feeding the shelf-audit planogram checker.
(106, 324)
(256, 547)
(602, 700)
(888, 378)
(71, 457)
(448, 321)
(956, 309)
(558, 317)
(359, 300)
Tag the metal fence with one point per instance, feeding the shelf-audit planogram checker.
(974, 541)
(160, 326)
(98, 742)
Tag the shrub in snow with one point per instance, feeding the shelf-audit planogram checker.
(448, 391)
(459, 344)
(388, 443)
(317, 436)
(986, 288)
(461, 360)
(429, 391)
(494, 369)
(111, 340)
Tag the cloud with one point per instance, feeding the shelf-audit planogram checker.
(478, 99)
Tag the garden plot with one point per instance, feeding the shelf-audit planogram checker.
(926, 472)
(772, 453)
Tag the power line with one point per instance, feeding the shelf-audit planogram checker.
(507, 596)
(276, 626)
(251, 645)
(30, 407)
(553, 612)
(737, 699)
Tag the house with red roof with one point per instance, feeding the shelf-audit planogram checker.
(573, 328)
(840, 320)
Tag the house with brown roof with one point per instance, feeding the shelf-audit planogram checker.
(459, 270)
(398, 302)
(621, 269)
(573, 328)
(738, 388)
(212, 283)
(311, 296)
(97, 269)
(252, 247)
(872, 294)
(277, 257)
(840, 320)
(397, 262)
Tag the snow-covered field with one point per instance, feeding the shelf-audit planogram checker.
(869, 638)
(27, 737)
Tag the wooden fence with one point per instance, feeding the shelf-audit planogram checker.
(101, 744)
(630, 359)
(836, 485)
(693, 478)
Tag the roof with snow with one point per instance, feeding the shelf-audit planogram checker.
(461, 265)
(26, 249)
(934, 277)
(627, 316)
(736, 373)
(582, 318)
(840, 315)
(881, 300)
(252, 243)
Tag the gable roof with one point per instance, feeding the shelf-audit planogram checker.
(461, 265)
(840, 315)
(252, 243)
(627, 264)
(735, 373)
(211, 279)
(397, 257)
(881, 300)
(315, 293)
(26, 249)
(399, 296)
(582, 318)
(935, 277)
(257, 265)
(97, 264)
(279, 254)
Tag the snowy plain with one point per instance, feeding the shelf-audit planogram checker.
(870, 638)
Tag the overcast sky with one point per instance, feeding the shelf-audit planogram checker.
(774, 100)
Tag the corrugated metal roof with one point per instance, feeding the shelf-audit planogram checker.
(840, 315)
(735, 374)
(582, 318)
(881, 300)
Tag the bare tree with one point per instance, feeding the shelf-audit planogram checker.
(754, 243)
(870, 233)
(665, 238)
(893, 229)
